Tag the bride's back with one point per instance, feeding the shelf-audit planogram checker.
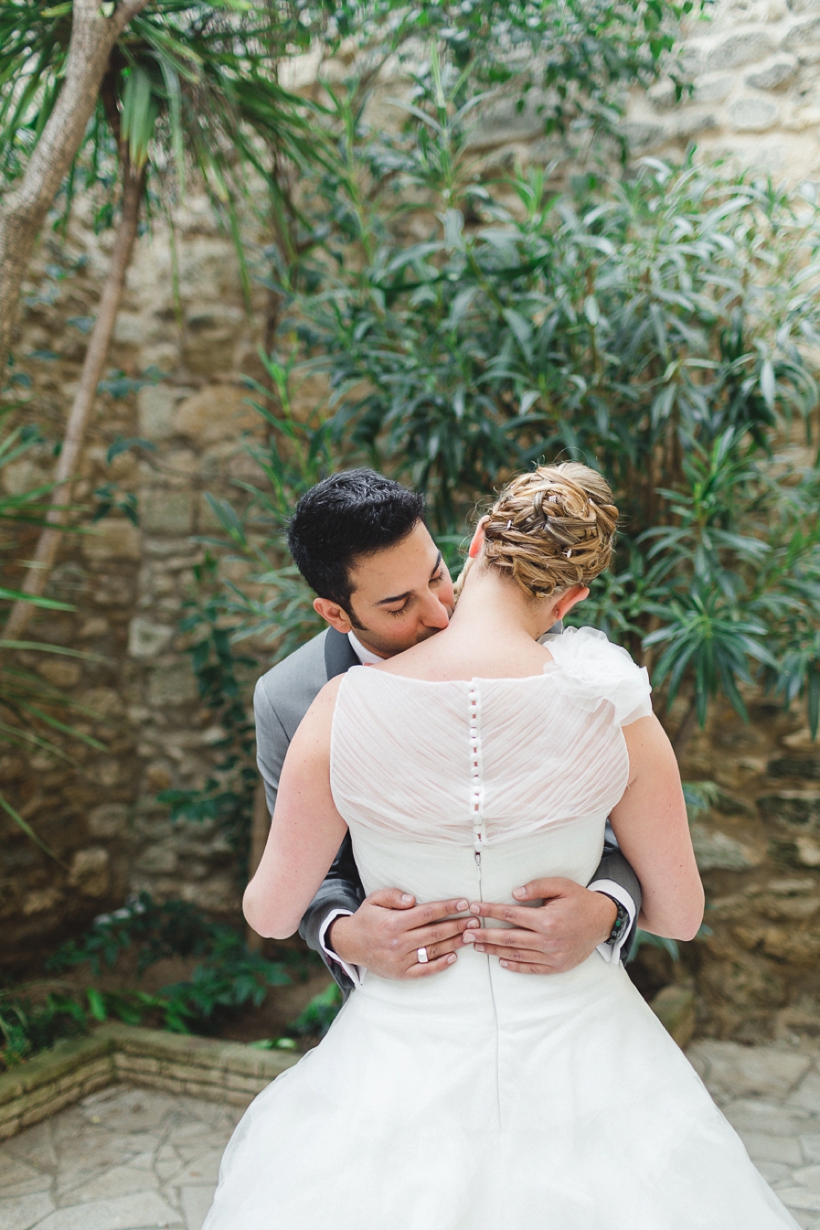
(487, 758)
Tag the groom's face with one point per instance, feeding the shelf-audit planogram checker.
(401, 595)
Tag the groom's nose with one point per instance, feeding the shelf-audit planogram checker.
(435, 614)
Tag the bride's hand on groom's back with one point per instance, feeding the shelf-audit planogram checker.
(547, 939)
(388, 929)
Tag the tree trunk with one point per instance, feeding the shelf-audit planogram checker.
(95, 358)
(24, 210)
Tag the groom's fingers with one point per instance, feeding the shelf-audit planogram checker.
(441, 938)
(522, 916)
(433, 912)
(544, 889)
(392, 899)
(514, 951)
(432, 966)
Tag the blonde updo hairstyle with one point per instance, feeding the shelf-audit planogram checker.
(550, 529)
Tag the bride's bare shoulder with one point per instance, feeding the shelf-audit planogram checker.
(442, 659)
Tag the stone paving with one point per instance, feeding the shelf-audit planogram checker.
(122, 1159)
(139, 1159)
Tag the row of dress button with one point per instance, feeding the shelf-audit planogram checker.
(475, 767)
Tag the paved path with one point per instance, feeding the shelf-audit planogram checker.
(136, 1159)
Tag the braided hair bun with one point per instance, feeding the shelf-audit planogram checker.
(552, 528)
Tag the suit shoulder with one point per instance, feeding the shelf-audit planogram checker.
(302, 672)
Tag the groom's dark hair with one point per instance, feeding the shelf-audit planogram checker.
(344, 518)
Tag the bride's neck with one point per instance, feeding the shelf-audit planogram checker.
(496, 606)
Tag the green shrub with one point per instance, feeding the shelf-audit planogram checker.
(26, 1027)
(662, 328)
(228, 978)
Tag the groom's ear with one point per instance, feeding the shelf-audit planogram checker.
(335, 615)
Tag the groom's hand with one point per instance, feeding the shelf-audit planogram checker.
(547, 939)
(387, 930)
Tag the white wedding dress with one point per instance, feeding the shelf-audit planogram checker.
(478, 1098)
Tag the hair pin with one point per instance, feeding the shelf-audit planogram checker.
(567, 553)
(508, 526)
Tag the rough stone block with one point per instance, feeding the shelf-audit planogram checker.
(40, 900)
(774, 76)
(218, 412)
(753, 114)
(245, 1084)
(196, 1200)
(155, 407)
(172, 685)
(740, 49)
(740, 1070)
(716, 851)
(675, 1009)
(108, 820)
(112, 539)
(799, 809)
(797, 1198)
(9, 1127)
(164, 511)
(714, 89)
(90, 872)
(130, 329)
(132, 1212)
(662, 94)
(802, 36)
(754, 1114)
(147, 639)
(60, 673)
(763, 1148)
(803, 851)
(809, 1176)
(691, 124)
(212, 335)
(158, 860)
(130, 1065)
(807, 1095)
(21, 1212)
(806, 767)
(642, 135)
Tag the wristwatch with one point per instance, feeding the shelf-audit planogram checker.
(620, 924)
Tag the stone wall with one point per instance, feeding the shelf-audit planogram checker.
(758, 848)
(756, 67)
(127, 583)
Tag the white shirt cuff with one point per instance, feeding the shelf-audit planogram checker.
(612, 952)
(354, 972)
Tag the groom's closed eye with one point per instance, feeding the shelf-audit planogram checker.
(436, 580)
(436, 577)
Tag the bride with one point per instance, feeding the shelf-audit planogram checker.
(483, 1100)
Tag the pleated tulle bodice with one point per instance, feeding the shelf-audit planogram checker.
(487, 761)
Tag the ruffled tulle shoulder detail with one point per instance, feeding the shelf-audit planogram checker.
(595, 670)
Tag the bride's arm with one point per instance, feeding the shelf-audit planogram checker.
(651, 825)
(306, 829)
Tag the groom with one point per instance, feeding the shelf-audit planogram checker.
(361, 543)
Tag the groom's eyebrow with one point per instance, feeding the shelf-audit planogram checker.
(408, 592)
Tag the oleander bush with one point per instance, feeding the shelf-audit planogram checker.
(227, 978)
(663, 328)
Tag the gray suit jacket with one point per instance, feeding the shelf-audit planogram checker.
(281, 699)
